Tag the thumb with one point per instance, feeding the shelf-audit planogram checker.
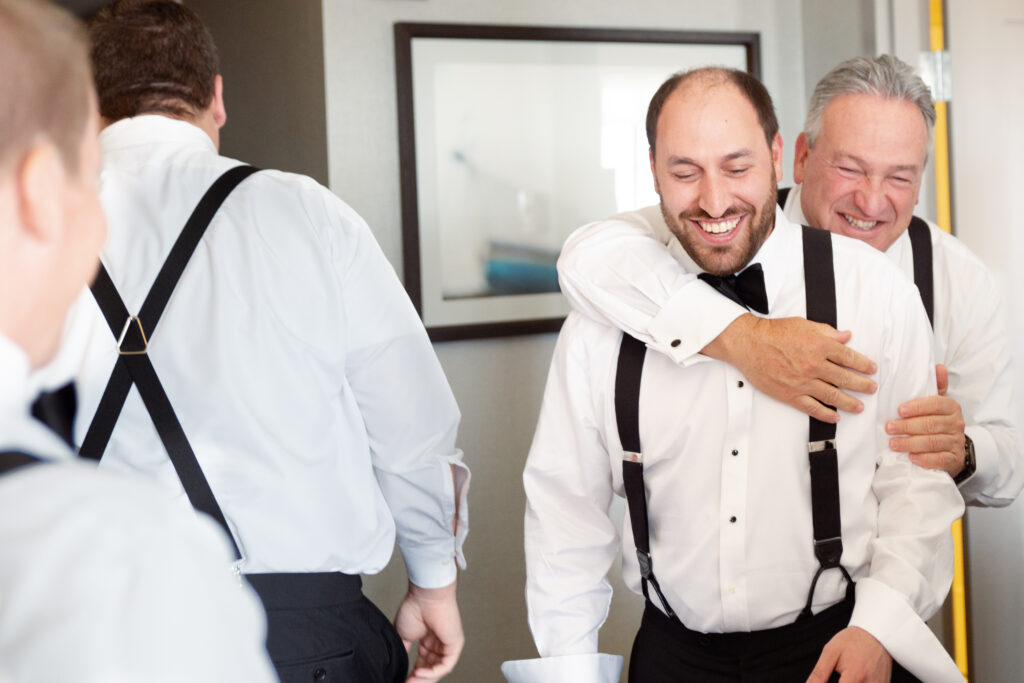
(942, 378)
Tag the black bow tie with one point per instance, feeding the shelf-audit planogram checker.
(56, 410)
(746, 288)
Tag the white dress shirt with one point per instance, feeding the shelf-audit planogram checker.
(102, 579)
(731, 535)
(619, 272)
(293, 358)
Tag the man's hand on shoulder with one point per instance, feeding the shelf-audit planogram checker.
(430, 616)
(932, 430)
(856, 656)
(804, 364)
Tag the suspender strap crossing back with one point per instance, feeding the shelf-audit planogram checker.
(921, 246)
(133, 365)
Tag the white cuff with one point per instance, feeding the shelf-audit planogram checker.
(690, 320)
(434, 565)
(589, 668)
(986, 456)
(886, 614)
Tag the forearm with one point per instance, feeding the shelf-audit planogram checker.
(620, 273)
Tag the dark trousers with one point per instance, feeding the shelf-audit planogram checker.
(666, 652)
(322, 629)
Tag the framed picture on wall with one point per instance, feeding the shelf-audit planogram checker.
(510, 138)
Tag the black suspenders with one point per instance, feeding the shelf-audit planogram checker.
(819, 277)
(820, 293)
(920, 246)
(133, 365)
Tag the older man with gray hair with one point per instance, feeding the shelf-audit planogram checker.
(858, 166)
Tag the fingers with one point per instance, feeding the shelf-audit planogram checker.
(435, 660)
(847, 380)
(928, 443)
(843, 355)
(930, 405)
(833, 396)
(950, 463)
(808, 406)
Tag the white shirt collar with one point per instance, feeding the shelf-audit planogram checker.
(18, 429)
(152, 129)
(776, 249)
(14, 371)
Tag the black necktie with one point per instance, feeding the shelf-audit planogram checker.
(56, 410)
(746, 288)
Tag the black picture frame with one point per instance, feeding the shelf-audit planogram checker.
(487, 313)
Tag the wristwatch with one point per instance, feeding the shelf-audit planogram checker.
(970, 463)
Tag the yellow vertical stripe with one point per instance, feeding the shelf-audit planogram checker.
(942, 187)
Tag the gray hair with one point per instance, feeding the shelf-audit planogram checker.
(885, 76)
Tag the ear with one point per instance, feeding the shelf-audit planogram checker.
(220, 114)
(40, 180)
(654, 174)
(777, 156)
(801, 151)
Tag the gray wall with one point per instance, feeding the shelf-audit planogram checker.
(834, 30)
(499, 382)
(272, 60)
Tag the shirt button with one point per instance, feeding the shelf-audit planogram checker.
(320, 674)
(732, 590)
(740, 384)
(735, 452)
(733, 519)
(675, 343)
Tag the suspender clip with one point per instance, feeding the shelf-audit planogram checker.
(135, 338)
(829, 551)
(823, 445)
(644, 558)
(630, 456)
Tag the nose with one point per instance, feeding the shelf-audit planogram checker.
(714, 195)
(870, 197)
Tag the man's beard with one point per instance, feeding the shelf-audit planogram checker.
(728, 258)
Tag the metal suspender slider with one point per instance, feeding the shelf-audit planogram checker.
(124, 334)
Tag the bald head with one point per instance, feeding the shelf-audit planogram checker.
(45, 82)
(751, 88)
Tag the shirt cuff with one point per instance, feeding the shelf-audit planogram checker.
(885, 614)
(588, 668)
(986, 457)
(434, 566)
(689, 320)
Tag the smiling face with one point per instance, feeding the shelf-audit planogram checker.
(715, 174)
(863, 175)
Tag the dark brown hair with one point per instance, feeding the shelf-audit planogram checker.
(45, 85)
(151, 56)
(752, 89)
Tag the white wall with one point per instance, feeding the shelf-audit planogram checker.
(499, 382)
(986, 42)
